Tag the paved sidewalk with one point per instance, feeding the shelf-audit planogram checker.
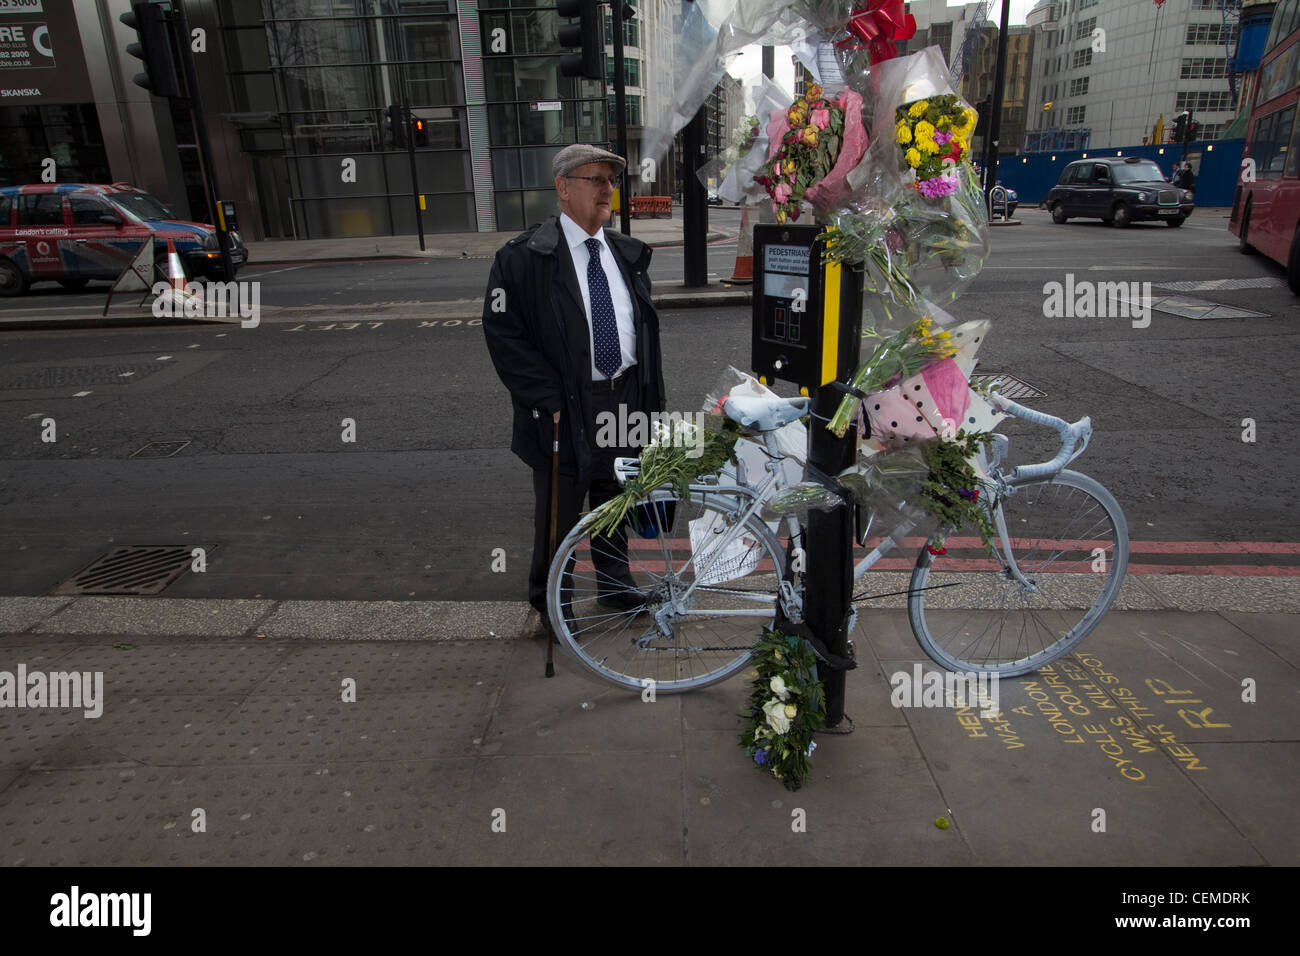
(457, 245)
(234, 713)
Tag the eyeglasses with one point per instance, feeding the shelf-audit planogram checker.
(597, 181)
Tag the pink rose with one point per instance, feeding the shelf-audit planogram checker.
(782, 192)
(821, 118)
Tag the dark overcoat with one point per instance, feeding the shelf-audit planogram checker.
(537, 335)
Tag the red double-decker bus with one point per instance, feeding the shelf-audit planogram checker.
(1266, 210)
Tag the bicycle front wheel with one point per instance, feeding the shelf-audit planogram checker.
(1033, 602)
(676, 601)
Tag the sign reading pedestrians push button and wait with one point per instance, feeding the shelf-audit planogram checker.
(804, 307)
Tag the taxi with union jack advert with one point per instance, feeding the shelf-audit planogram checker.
(73, 233)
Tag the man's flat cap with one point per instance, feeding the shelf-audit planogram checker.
(580, 154)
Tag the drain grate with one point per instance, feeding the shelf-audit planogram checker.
(132, 569)
(160, 449)
(1010, 386)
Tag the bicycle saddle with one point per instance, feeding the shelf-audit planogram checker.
(765, 413)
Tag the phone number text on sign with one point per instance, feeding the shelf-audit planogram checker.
(26, 46)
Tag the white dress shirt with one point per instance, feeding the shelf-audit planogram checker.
(618, 293)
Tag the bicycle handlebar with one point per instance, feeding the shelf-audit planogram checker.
(1072, 434)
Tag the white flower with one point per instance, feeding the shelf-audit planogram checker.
(776, 717)
(778, 687)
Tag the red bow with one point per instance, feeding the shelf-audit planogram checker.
(878, 25)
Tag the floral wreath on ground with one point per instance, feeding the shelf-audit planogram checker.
(787, 706)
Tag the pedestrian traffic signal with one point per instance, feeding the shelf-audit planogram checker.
(1180, 127)
(419, 134)
(1193, 130)
(396, 125)
(588, 35)
(152, 24)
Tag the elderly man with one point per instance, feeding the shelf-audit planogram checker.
(573, 333)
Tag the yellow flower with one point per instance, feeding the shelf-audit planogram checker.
(810, 135)
(919, 108)
(904, 134)
(791, 710)
(913, 158)
(789, 167)
(814, 92)
(780, 216)
(797, 115)
(925, 137)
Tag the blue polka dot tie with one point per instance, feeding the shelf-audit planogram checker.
(604, 327)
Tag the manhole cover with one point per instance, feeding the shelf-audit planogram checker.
(1008, 385)
(67, 376)
(160, 449)
(132, 569)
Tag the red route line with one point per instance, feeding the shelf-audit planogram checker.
(1135, 547)
(1193, 548)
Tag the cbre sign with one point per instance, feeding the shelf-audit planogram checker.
(41, 60)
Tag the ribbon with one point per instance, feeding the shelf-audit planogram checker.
(877, 26)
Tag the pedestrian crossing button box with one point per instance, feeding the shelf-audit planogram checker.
(786, 341)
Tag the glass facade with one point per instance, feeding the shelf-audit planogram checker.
(70, 135)
(525, 128)
(311, 81)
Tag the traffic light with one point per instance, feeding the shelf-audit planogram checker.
(1180, 127)
(419, 133)
(1193, 130)
(152, 24)
(397, 125)
(588, 35)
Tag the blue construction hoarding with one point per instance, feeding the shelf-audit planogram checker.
(1217, 165)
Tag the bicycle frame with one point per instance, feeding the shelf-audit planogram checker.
(1074, 440)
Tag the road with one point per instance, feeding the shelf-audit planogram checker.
(415, 506)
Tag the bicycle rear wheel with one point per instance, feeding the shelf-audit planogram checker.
(1069, 542)
(679, 602)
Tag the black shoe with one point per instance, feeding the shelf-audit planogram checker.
(628, 599)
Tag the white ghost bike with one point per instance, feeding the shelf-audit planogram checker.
(706, 574)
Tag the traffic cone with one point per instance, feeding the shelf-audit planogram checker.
(744, 270)
(175, 270)
(178, 300)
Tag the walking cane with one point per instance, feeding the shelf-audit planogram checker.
(555, 507)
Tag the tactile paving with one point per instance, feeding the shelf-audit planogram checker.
(377, 813)
(170, 670)
(72, 817)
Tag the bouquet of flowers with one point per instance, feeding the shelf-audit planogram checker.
(934, 135)
(677, 455)
(786, 707)
(900, 356)
(812, 146)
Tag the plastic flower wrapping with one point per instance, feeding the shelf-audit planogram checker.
(877, 150)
